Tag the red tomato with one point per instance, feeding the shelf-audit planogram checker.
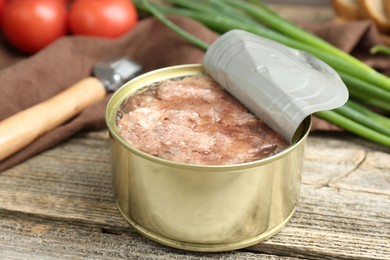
(2, 4)
(104, 18)
(30, 25)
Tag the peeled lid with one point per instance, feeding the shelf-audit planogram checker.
(279, 84)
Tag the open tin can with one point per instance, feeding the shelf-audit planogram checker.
(201, 207)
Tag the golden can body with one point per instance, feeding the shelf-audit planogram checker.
(198, 207)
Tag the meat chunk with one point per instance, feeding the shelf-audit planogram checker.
(194, 120)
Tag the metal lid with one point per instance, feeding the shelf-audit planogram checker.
(279, 84)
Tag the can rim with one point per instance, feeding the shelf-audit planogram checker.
(182, 70)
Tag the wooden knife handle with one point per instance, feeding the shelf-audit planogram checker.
(19, 130)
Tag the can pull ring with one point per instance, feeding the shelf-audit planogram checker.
(279, 84)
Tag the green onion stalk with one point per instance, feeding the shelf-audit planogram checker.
(380, 49)
(364, 83)
(288, 34)
(279, 24)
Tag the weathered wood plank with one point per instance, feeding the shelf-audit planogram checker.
(331, 224)
(355, 165)
(343, 214)
(37, 237)
(72, 180)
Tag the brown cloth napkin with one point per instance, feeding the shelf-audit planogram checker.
(27, 80)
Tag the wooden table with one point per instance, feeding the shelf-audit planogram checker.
(59, 205)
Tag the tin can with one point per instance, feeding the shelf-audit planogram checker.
(197, 207)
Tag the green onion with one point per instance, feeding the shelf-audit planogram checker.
(352, 116)
(367, 92)
(385, 121)
(354, 127)
(196, 41)
(211, 7)
(278, 23)
(222, 23)
(361, 117)
(380, 49)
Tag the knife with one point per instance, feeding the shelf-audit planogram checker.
(22, 128)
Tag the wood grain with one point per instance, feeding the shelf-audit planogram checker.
(47, 238)
(60, 204)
